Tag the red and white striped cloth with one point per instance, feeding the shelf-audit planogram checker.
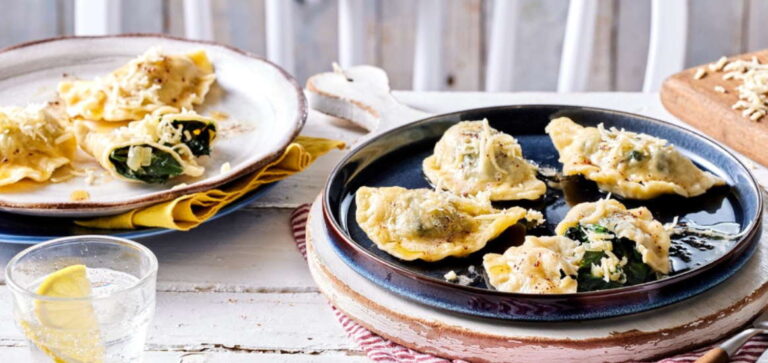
(379, 349)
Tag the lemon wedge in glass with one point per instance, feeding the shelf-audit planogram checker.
(66, 330)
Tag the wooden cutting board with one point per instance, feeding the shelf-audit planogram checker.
(696, 102)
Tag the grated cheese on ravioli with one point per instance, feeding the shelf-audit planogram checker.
(33, 144)
(152, 81)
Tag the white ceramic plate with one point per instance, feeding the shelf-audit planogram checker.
(266, 109)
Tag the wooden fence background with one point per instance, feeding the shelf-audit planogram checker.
(716, 27)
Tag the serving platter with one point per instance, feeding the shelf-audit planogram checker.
(261, 110)
(394, 158)
(644, 336)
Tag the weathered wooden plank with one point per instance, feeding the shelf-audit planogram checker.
(632, 31)
(251, 250)
(248, 251)
(260, 322)
(142, 16)
(714, 30)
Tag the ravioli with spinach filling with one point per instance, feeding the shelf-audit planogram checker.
(162, 166)
(472, 157)
(629, 164)
(600, 245)
(140, 151)
(621, 246)
(429, 225)
(630, 268)
(195, 131)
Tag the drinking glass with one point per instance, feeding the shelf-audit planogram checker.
(84, 298)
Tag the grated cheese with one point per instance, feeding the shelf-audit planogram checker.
(139, 156)
(717, 66)
(225, 167)
(700, 73)
(29, 128)
(753, 88)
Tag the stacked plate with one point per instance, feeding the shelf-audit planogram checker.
(265, 111)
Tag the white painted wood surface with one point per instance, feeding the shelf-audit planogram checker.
(236, 289)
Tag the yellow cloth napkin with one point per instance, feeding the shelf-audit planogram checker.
(189, 211)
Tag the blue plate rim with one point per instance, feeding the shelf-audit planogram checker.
(144, 232)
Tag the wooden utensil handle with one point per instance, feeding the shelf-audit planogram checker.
(714, 355)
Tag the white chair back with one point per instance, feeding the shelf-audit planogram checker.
(666, 53)
(97, 17)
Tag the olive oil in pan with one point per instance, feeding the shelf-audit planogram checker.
(697, 245)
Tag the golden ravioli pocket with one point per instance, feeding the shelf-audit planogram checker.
(599, 224)
(472, 157)
(431, 225)
(152, 150)
(33, 144)
(629, 164)
(541, 265)
(147, 83)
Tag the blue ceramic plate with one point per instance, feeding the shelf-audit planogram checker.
(16, 228)
(394, 158)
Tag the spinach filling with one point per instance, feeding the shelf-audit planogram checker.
(196, 135)
(636, 155)
(636, 271)
(162, 167)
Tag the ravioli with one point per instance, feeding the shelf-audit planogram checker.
(152, 150)
(603, 224)
(629, 164)
(413, 224)
(472, 157)
(195, 131)
(541, 265)
(145, 84)
(33, 144)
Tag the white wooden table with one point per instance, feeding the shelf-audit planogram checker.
(237, 290)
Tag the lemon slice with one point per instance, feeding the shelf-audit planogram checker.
(66, 331)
